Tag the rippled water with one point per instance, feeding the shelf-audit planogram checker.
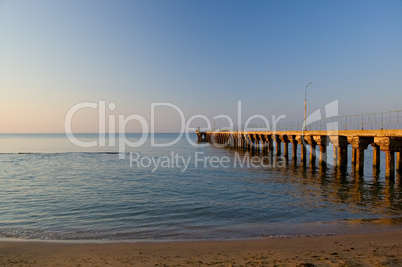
(55, 190)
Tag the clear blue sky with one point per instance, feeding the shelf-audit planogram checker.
(202, 56)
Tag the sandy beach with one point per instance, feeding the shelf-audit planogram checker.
(375, 249)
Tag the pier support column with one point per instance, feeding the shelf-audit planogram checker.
(323, 155)
(335, 149)
(389, 145)
(252, 145)
(245, 141)
(359, 144)
(359, 166)
(264, 144)
(310, 140)
(294, 150)
(342, 155)
(270, 147)
(322, 141)
(354, 156)
(278, 145)
(285, 140)
(312, 154)
(376, 156)
(398, 162)
(285, 149)
(303, 154)
(389, 164)
(292, 139)
(303, 143)
(203, 136)
(341, 144)
(233, 140)
(257, 145)
(257, 142)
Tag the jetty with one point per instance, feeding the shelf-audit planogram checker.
(386, 140)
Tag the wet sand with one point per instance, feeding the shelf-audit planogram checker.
(376, 249)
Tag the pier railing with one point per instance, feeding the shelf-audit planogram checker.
(372, 121)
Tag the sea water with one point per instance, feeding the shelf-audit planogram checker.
(52, 189)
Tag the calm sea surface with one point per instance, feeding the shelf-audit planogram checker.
(52, 189)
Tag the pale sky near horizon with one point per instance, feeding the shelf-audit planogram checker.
(202, 56)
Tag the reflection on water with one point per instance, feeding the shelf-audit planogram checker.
(340, 185)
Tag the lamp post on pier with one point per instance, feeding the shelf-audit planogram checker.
(305, 105)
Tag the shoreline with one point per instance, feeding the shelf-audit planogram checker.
(367, 249)
(150, 240)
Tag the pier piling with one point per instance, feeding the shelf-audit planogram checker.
(388, 141)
